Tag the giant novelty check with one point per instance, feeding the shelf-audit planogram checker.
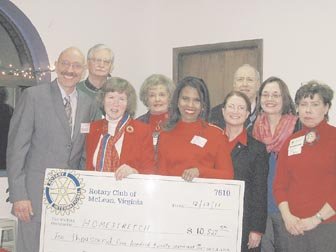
(91, 211)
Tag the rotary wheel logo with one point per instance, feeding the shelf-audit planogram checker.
(63, 192)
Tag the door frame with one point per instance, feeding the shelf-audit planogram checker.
(180, 52)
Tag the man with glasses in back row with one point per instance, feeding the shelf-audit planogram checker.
(46, 130)
(100, 59)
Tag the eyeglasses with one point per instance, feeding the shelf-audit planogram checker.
(273, 96)
(99, 61)
(75, 65)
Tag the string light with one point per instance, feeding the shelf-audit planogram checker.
(28, 74)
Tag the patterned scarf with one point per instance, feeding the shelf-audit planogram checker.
(262, 131)
(108, 158)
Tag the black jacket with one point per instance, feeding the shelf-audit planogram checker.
(144, 118)
(250, 164)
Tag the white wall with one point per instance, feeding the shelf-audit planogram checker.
(299, 35)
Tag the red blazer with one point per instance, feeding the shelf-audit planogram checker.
(137, 148)
(176, 152)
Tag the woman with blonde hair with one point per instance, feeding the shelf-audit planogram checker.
(155, 93)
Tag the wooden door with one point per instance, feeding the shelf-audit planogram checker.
(216, 64)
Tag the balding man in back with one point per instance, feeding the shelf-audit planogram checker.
(246, 80)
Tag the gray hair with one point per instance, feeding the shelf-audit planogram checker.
(248, 65)
(155, 80)
(98, 47)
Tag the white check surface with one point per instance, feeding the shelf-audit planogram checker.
(91, 211)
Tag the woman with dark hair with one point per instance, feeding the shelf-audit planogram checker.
(305, 181)
(189, 146)
(276, 121)
(250, 164)
(118, 143)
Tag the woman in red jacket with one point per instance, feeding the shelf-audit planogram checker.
(155, 93)
(305, 180)
(118, 143)
(189, 146)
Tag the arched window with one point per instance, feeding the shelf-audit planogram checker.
(23, 63)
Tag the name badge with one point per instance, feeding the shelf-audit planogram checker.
(294, 150)
(85, 128)
(299, 141)
(199, 141)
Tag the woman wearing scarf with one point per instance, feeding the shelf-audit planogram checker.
(276, 121)
(250, 164)
(305, 180)
(118, 143)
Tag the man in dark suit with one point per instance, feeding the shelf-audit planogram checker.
(247, 81)
(46, 131)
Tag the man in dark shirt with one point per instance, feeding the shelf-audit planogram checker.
(100, 59)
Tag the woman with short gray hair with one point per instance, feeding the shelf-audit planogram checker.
(155, 93)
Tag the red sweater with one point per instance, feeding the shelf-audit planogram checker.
(156, 121)
(308, 180)
(137, 147)
(208, 153)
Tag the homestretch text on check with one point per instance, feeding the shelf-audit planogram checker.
(91, 211)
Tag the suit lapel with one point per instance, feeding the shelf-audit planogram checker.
(56, 97)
